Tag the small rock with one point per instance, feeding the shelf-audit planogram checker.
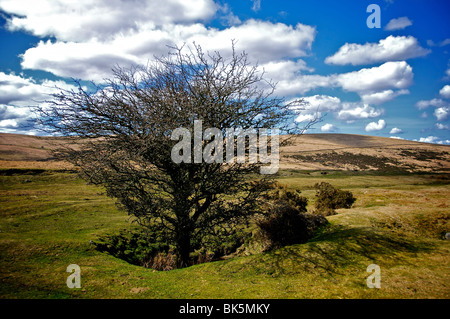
(447, 236)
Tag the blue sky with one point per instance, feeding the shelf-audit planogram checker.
(391, 81)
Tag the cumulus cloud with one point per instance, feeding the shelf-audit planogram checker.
(8, 123)
(89, 38)
(445, 92)
(396, 130)
(433, 139)
(293, 84)
(374, 126)
(18, 94)
(352, 111)
(389, 75)
(441, 126)
(322, 103)
(92, 36)
(442, 113)
(328, 128)
(307, 117)
(85, 20)
(19, 91)
(285, 70)
(390, 49)
(423, 104)
(93, 59)
(377, 84)
(398, 24)
(382, 97)
(442, 107)
(317, 105)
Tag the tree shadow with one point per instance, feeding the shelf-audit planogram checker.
(335, 249)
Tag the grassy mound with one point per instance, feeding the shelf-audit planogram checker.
(48, 220)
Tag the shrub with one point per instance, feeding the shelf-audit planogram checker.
(148, 249)
(212, 247)
(279, 194)
(329, 198)
(138, 247)
(284, 221)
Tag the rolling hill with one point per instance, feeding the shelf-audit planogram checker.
(305, 152)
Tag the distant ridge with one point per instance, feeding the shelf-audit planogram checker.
(307, 152)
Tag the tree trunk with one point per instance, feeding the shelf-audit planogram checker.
(183, 247)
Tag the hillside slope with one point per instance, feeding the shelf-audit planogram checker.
(361, 152)
(306, 152)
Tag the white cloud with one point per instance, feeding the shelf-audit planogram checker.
(390, 49)
(442, 108)
(93, 36)
(352, 111)
(93, 59)
(307, 117)
(85, 20)
(398, 24)
(382, 97)
(285, 70)
(389, 75)
(8, 123)
(441, 126)
(228, 18)
(396, 130)
(366, 82)
(442, 43)
(442, 113)
(322, 103)
(18, 94)
(256, 5)
(373, 126)
(423, 104)
(88, 43)
(434, 140)
(300, 84)
(328, 128)
(19, 91)
(397, 137)
(429, 139)
(445, 92)
(349, 112)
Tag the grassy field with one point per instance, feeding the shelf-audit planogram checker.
(48, 218)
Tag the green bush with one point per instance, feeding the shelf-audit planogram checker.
(138, 247)
(279, 194)
(143, 248)
(212, 247)
(285, 222)
(329, 198)
(286, 225)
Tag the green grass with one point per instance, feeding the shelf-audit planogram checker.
(48, 218)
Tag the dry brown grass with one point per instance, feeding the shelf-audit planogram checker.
(306, 152)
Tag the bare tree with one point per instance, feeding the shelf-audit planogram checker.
(122, 140)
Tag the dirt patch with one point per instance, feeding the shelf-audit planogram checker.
(138, 290)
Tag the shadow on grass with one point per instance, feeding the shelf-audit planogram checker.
(335, 249)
